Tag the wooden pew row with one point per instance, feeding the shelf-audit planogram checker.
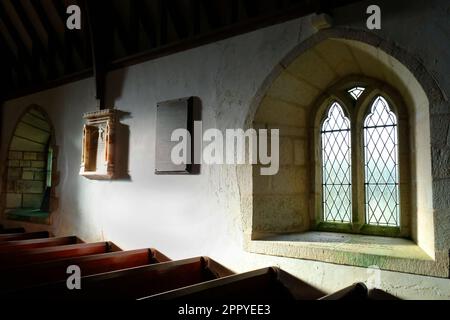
(357, 291)
(266, 284)
(48, 272)
(39, 255)
(20, 245)
(12, 230)
(129, 284)
(24, 236)
(378, 294)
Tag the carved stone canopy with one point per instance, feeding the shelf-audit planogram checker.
(98, 149)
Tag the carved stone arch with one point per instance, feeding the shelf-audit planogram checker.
(286, 100)
(30, 166)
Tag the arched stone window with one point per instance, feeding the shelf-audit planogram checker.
(381, 182)
(382, 97)
(29, 185)
(358, 180)
(336, 166)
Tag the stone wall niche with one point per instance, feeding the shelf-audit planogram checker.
(98, 161)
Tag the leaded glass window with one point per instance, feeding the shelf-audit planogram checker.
(336, 166)
(356, 92)
(381, 165)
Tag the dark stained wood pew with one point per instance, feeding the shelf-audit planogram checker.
(357, 291)
(378, 294)
(39, 255)
(12, 230)
(129, 284)
(24, 236)
(266, 284)
(19, 245)
(48, 272)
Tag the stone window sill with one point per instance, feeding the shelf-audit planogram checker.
(29, 215)
(395, 254)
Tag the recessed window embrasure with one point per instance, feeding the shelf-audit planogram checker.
(360, 166)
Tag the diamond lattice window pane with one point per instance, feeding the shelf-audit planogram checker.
(381, 165)
(336, 166)
(356, 92)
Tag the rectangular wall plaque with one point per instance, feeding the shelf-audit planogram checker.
(172, 115)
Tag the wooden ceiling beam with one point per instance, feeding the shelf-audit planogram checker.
(213, 17)
(98, 34)
(73, 40)
(13, 63)
(38, 47)
(23, 53)
(162, 23)
(134, 25)
(120, 27)
(179, 22)
(147, 24)
(55, 45)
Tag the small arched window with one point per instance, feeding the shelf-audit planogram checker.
(336, 166)
(360, 163)
(381, 165)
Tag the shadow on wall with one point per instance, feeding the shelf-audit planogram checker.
(122, 149)
(114, 88)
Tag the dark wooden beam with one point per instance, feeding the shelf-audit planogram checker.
(39, 49)
(134, 25)
(55, 45)
(23, 54)
(154, 19)
(162, 15)
(72, 38)
(243, 26)
(13, 64)
(194, 17)
(251, 7)
(178, 20)
(41, 86)
(147, 23)
(98, 32)
(212, 15)
(119, 26)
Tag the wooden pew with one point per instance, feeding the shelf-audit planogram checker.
(129, 284)
(378, 294)
(268, 284)
(39, 255)
(24, 236)
(48, 272)
(12, 230)
(19, 245)
(357, 291)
